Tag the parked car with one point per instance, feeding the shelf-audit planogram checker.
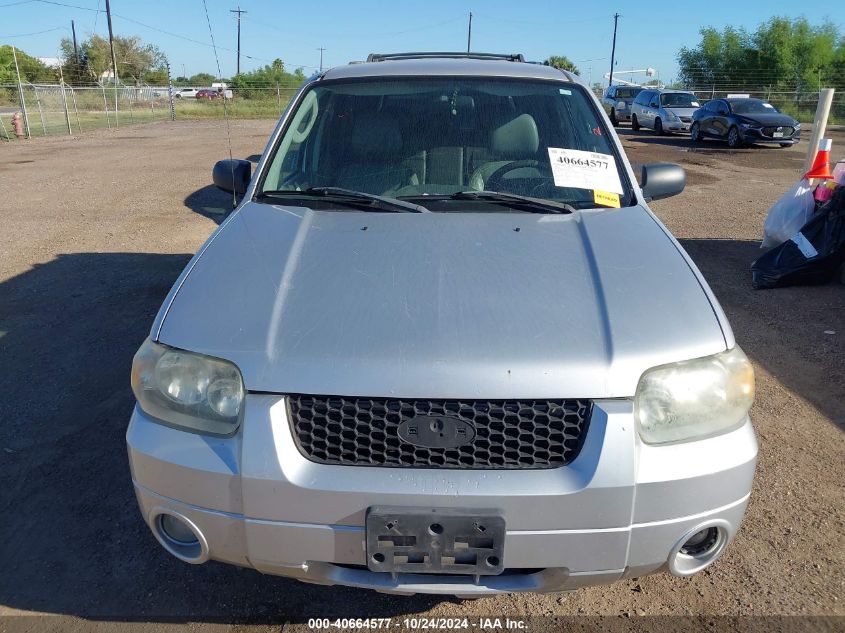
(209, 94)
(617, 102)
(185, 93)
(663, 110)
(443, 346)
(740, 121)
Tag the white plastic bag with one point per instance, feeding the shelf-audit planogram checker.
(789, 214)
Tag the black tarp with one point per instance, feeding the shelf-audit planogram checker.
(812, 256)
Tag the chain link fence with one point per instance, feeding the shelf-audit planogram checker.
(50, 110)
(60, 109)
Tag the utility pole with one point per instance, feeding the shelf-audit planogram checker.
(613, 50)
(469, 31)
(113, 62)
(321, 58)
(239, 12)
(75, 49)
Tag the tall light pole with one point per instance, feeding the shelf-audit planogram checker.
(239, 12)
(321, 49)
(613, 50)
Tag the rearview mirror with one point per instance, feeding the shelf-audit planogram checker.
(662, 180)
(231, 175)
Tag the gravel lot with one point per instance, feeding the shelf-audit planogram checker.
(94, 230)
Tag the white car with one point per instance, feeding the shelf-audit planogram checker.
(185, 93)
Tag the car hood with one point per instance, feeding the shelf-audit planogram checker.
(683, 111)
(456, 305)
(768, 119)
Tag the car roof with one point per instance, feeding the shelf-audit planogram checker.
(736, 99)
(431, 65)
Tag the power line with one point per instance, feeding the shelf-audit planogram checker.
(58, 28)
(225, 112)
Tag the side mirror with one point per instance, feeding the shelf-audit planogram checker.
(653, 104)
(662, 180)
(231, 175)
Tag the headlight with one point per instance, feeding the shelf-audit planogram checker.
(694, 399)
(745, 125)
(620, 105)
(671, 116)
(797, 126)
(188, 390)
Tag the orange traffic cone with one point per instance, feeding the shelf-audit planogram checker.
(821, 165)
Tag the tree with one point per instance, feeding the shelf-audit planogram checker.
(561, 62)
(134, 58)
(31, 69)
(202, 79)
(781, 54)
(264, 81)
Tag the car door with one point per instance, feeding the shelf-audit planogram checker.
(652, 108)
(642, 107)
(705, 119)
(721, 119)
(607, 100)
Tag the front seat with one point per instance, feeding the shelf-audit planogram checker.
(517, 139)
(372, 161)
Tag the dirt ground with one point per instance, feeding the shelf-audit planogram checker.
(94, 230)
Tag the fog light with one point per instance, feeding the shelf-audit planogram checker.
(177, 530)
(700, 542)
(699, 548)
(179, 535)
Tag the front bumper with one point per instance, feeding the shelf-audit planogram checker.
(617, 511)
(677, 126)
(753, 135)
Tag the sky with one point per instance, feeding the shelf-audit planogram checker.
(649, 34)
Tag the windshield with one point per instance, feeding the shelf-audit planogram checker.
(627, 93)
(429, 138)
(752, 106)
(678, 100)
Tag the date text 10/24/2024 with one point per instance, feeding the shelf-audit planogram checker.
(415, 624)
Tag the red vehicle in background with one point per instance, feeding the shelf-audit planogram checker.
(209, 94)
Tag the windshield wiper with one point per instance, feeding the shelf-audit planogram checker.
(536, 205)
(338, 194)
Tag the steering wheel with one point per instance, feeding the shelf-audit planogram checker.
(493, 180)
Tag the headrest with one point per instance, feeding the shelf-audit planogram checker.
(376, 137)
(516, 138)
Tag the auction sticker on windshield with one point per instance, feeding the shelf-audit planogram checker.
(584, 170)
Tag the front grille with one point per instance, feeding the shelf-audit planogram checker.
(770, 130)
(686, 119)
(509, 434)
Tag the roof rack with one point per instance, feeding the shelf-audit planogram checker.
(383, 57)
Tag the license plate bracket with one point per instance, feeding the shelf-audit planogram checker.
(777, 134)
(435, 540)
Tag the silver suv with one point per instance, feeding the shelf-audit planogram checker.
(664, 110)
(443, 346)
